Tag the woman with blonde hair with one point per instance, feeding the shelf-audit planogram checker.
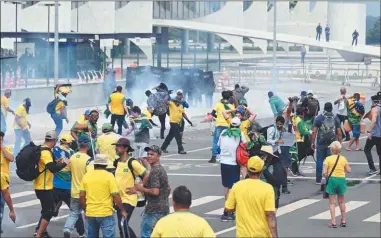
(335, 168)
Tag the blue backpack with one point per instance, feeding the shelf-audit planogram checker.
(51, 107)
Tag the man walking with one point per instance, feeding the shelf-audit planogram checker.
(355, 36)
(118, 107)
(327, 31)
(319, 29)
(326, 129)
(253, 201)
(58, 112)
(98, 193)
(342, 111)
(182, 223)
(156, 191)
(22, 125)
(5, 109)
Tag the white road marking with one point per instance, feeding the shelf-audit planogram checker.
(375, 218)
(282, 210)
(191, 151)
(22, 194)
(218, 211)
(352, 205)
(27, 204)
(35, 224)
(202, 201)
(370, 177)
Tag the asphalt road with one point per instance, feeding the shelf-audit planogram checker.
(302, 213)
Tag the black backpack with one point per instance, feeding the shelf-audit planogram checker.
(51, 107)
(313, 105)
(27, 162)
(327, 130)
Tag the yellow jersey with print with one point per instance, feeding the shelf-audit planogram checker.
(4, 105)
(4, 162)
(59, 106)
(99, 186)
(82, 120)
(339, 171)
(125, 180)
(148, 114)
(4, 183)
(182, 224)
(116, 102)
(104, 145)
(78, 168)
(45, 180)
(251, 199)
(219, 108)
(23, 118)
(244, 127)
(175, 112)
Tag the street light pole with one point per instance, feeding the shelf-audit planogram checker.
(48, 50)
(16, 3)
(274, 75)
(56, 42)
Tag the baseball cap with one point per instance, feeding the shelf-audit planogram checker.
(236, 121)
(87, 112)
(303, 93)
(101, 159)
(153, 148)
(328, 107)
(255, 164)
(106, 127)
(51, 135)
(66, 138)
(180, 91)
(83, 139)
(125, 142)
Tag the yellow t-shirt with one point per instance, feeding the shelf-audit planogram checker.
(116, 101)
(45, 180)
(339, 171)
(5, 163)
(182, 224)
(148, 114)
(251, 198)
(21, 112)
(244, 126)
(4, 105)
(175, 112)
(104, 145)
(296, 120)
(78, 167)
(99, 186)
(4, 182)
(59, 105)
(220, 120)
(81, 120)
(125, 180)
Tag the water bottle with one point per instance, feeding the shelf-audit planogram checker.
(140, 195)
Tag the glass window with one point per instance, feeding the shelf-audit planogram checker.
(120, 4)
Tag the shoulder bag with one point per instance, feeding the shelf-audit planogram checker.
(324, 186)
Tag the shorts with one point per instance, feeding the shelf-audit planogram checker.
(356, 131)
(230, 174)
(336, 186)
(139, 150)
(182, 125)
(47, 203)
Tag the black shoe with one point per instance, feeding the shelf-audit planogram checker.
(286, 191)
(164, 151)
(66, 234)
(213, 160)
(182, 152)
(162, 137)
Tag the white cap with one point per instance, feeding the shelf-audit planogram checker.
(236, 121)
(179, 91)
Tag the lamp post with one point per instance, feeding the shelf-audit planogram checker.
(48, 5)
(274, 76)
(16, 3)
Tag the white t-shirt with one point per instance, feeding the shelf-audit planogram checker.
(228, 146)
(342, 107)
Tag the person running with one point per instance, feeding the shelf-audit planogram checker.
(176, 113)
(342, 111)
(355, 112)
(118, 108)
(221, 122)
(127, 168)
(336, 182)
(355, 36)
(22, 126)
(326, 129)
(6, 157)
(156, 191)
(78, 167)
(277, 104)
(230, 171)
(5, 109)
(105, 144)
(98, 194)
(182, 223)
(43, 184)
(374, 133)
(59, 112)
(81, 126)
(319, 30)
(253, 202)
(180, 97)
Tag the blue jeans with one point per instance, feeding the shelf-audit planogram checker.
(58, 120)
(2, 205)
(322, 152)
(106, 224)
(148, 223)
(74, 215)
(24, 134)
(216, 136)
(3, 125)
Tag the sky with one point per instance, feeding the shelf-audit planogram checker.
(373, 8)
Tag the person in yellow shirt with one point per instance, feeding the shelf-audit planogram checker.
(79, 165)
(6, 198)
(105, 145)
(126, 170)
(245, 121)
(43, 184)
(5, 109)
(176, 114)
(98, 193)
(253, 202)
(21, 125)
(182, 223)
(336, 182)
(118, 108)
(60, 111)
(221, 122)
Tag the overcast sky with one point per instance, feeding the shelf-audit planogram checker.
(373, 8)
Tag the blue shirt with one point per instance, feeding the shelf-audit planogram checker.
(62, 179)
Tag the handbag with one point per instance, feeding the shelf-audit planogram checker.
(324, 186)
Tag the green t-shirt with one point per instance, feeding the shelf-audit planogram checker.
(85, 132)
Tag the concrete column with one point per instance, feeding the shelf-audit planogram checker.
(210, 42)
(128, 47)
(185, 40)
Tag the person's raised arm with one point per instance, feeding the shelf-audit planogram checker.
(253, 115)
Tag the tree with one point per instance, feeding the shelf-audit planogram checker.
(373, 35)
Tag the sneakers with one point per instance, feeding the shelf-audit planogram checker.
(229, 216)
(289, 182)
(44, 235)
(67, 234)
(213, 160)
(165, 151)
(318, 183)
(372, 172)
(182, 152)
